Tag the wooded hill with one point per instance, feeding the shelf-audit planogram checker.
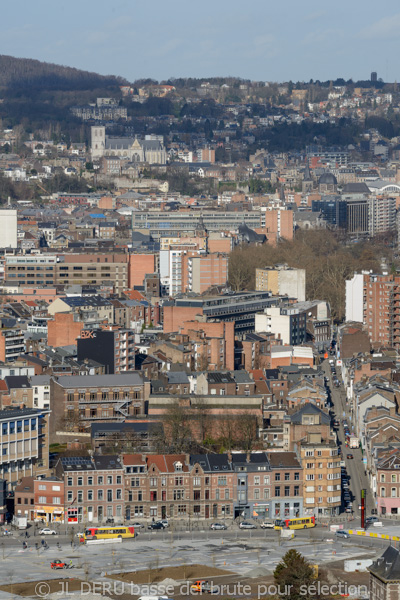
(25, 73)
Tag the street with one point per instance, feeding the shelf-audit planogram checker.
(355, 466)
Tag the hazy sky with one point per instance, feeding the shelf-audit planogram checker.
(254, 39)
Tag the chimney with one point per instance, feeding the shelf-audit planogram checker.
(248, 457)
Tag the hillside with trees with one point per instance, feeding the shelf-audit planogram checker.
(26, 73)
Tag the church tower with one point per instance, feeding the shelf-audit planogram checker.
(307, 183)
(97, 141)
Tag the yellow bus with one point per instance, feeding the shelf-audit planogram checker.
(297, 523)
(107, 533)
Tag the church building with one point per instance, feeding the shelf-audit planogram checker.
(150, 151)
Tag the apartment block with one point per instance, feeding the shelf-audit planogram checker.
(94, 269)
(115, 349)
(282, 280)
(8, 228)
(322, 475)
(93, 488)
(12, 344)
(206, 271)
(378, 296)
(37, 270)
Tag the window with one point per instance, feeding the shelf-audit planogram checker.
(221, 480)
(266, 479)
(256, 494)
(42, 500)
(256, 480)
(393, 478)
(90, 495)
(69, 496)
(153, 481)
(109, 479)
(80, 480)
(109, 495)
(119, 479)
(153, 496)
(383, 492)
(56, 488)
(90, 480)
(287, 490)
(393, 493)
(382, 478)
(179, 494)
(196, 495)
(287, 476)
(310, 477)
(100, 480)
(196, 481)
(80, 496)
(277, 490)
(277, 476)
(119, 495)
(42, 486)
(135, 482)
(99, 494)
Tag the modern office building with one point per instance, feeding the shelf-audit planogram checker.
(24, 441)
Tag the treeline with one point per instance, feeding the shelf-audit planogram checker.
(23, 73)
(326, 256)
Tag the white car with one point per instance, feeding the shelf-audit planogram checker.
(47, 531)
(267, 525)
(164, 522)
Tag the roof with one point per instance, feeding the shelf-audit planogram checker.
(216, 377)
(211, 463)
(166, 462)
(387, 567)
(17, 381)
(283, 460)
(111, 461)
(83, 381)
(308, 409)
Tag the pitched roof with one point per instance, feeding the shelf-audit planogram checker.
(387, 567)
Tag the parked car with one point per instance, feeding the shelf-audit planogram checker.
(341, 533)
(348, 509)
(157, 525)
(110, 521)
(80, 534)
(138, 525)
(247, 525)
(267, 525)
(58, 564)
(47, 531)
(350, 456)
(218, 526)
(371, 519)
(164, 522)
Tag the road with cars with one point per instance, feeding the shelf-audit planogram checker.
(354, 467)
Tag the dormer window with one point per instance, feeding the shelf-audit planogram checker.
(178, 466)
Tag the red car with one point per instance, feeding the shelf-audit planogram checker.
(58, 564)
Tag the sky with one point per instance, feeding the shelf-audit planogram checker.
(261, 40)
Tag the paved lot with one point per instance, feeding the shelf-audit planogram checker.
(240, 556)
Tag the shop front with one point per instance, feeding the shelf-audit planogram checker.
(49, 514)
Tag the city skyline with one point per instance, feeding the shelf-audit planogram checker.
(297, 42)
